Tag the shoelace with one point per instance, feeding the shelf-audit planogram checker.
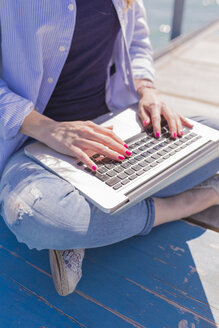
(73, 259)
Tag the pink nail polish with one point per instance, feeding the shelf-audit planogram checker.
(145, 122)
(94, 168)
(128, 152)
(121, 157)
(126, 146)
(158, 134)
(175, 135)
(181, 132)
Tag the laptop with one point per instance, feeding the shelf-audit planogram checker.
(153, 165)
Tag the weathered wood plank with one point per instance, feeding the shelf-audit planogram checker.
(208, 218)
(189, 80)
(153, 281)
(21, 265)
(19, 308)
(190, 107)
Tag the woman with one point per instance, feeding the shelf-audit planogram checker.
(63, 64)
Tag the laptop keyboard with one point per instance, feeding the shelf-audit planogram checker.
(147, 152)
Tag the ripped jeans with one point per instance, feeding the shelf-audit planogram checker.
(46, 212)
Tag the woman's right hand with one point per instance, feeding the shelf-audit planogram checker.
(76, 138)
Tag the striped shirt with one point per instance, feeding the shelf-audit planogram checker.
(35, 42)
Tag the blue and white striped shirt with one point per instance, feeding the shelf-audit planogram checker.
(35, 41)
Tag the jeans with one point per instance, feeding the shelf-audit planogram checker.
(45, 211)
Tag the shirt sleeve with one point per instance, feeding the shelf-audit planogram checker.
(140, 50)
(13, 110)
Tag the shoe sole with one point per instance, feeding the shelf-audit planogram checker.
(58, 272)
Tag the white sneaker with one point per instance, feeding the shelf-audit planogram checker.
(66, 269)
(212, 182)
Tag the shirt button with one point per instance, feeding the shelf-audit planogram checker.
(50, 80)
(62, 48)
(71, 7)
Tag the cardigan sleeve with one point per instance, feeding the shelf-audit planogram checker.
(13, 110)
(141, 52)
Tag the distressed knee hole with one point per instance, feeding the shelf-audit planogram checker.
(14, 206)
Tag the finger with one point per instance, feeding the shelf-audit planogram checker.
(106, 141)
(105, 149)
(84, 158)
(185, 122)
(170, 117)
(110, 127)
(179, 126)
(103, 130)
(156, 119)
(144, 116)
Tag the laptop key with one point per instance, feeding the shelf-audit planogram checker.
(88, 170)
(166, 156)
(155, 156)
(138, 158)
(140, 172)
(113, 181)
(111, 173)
(142, 148)
(102, 177)
(122, 175)
(143, 164)
(132, 161)
(161, 153)
(124, 182)
(110, 166)
(146, 168)
(136, 167)
(102, 169)
(118, 169)
(167, 149)
(136, 151)
(146, 154)
(130, 171)
(117, 186)
(153, 164)
(132, 177)
(160, 160)
(149, 160)
(96, 156)
(125, 165)
(173, 145)
(151, 151)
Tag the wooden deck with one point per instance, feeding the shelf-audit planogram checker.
(168, 279)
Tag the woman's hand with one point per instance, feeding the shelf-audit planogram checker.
(78, 137)
(151, 108)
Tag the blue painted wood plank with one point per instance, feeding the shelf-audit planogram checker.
(79, 306)
(141, 278)
(21, 309)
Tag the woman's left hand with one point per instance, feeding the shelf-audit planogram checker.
(151, 108)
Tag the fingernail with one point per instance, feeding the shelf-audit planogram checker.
(181, 132)
(121, 157)
(94, 168)
(145, 122)
(158, 134)
(128, 152)
(175, 135)
(126, 146)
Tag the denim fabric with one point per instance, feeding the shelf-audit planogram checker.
(46, 212)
